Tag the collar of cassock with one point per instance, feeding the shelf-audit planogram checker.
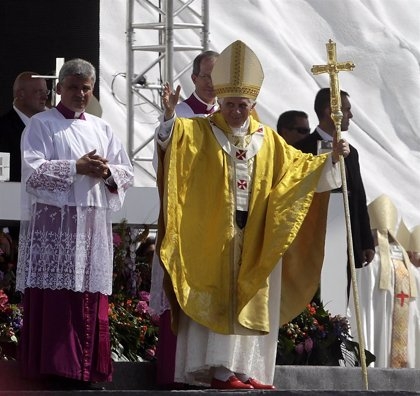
(69, 114)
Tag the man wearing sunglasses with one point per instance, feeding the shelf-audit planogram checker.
(293, 126)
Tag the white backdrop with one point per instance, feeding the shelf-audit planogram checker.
(381, 37)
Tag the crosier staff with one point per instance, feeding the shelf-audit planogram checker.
(333, 68)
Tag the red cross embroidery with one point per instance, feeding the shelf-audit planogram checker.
(241, 154)
(242, 184)
(402, 296)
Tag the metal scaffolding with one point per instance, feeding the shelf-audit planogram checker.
(168, 19)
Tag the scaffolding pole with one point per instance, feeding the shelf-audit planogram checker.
(171, 19)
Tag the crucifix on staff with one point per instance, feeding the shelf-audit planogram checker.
(333, 68)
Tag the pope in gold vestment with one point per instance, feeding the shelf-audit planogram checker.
(199, 216)
(222, 274)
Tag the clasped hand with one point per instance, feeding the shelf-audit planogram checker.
(93, 165)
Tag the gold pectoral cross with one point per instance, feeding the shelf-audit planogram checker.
(333, 68)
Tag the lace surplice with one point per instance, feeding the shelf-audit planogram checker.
(65, 238)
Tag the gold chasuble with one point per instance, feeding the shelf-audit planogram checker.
(197, 228)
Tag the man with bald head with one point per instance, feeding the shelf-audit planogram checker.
(29, 97)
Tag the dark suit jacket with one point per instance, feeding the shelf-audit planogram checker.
(359, 217)
(11, 128)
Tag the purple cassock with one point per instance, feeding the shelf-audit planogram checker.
(193, 106)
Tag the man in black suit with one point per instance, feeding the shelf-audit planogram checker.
(363, 245)
(29, 97)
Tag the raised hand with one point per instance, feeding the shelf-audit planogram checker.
(170, 100)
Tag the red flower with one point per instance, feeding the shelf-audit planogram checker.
(3, 300)
(142, 307)
(155, 318)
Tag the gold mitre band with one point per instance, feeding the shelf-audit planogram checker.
(237, 72)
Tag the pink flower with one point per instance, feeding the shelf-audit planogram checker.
(145, 296)
(142, 307)
(116, 239)
(309, 344)
(150, 352)
(3, 300)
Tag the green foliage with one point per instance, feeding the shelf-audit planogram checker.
(10, 319)
(133, 326)
(10, 307)
(315, 337)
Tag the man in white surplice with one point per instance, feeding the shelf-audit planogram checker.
(75, 172)
(235, 197)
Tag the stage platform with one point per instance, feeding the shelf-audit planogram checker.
(139, 379)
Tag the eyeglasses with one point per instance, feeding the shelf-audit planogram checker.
(42, 92)
(301, 130)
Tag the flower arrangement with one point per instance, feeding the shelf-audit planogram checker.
(133, 325)
(315, 337)
(10, 325)
(10, 307)
(133, 330)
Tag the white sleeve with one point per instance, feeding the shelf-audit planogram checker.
(163, 132)
(183, 110)
(330, 176)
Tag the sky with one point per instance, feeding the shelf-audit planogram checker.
(382, 38)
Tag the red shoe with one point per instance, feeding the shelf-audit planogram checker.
(258, 385)
(231, 383)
